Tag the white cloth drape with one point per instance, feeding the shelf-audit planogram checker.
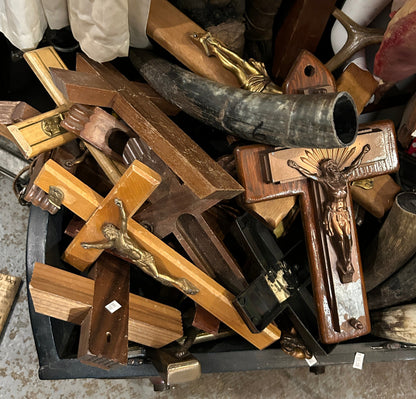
(104, 28)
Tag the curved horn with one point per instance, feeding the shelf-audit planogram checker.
(394, 244)
(316, 120)
(399, 288)
(397, 324)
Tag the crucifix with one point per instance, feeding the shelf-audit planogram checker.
(173, 208)
(97, 211)
(327, 215)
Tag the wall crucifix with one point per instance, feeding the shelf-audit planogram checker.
(321, 179)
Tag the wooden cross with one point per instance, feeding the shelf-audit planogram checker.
(36, 133)
(90, 206)
(335, 266)
(69, 297)
(104, 86)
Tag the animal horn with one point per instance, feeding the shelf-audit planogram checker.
(314, 121)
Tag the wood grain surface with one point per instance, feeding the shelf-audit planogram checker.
(69, 297)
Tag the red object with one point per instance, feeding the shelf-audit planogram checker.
(412, 148)
(396, 58)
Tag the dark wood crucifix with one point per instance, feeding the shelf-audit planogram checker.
(323, 188)
(337, 219)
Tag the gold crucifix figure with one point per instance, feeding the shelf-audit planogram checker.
(251, 74)
(126, 246)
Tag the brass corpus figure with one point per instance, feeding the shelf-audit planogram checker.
(337, 218)
(251, 74)
(126, 246)
(293, 345)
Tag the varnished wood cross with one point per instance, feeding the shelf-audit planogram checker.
(102, 85)
(91, 207)
(70, 297)
(327, 217)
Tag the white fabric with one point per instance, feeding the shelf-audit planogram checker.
(104, 28)
(101, 27)
(23, 22)
(138, 15)
(56, 13)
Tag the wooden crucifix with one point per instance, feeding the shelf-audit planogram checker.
(174, 207)
(321, 178)
(91, 207)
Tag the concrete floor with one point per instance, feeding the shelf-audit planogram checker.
(19, 363)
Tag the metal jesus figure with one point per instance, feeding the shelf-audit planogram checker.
(126, 246)
(251, 74)
(337, 219)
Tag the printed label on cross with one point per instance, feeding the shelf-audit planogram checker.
(332, 246)
(84, 202)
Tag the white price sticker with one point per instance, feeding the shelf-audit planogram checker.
(312, 361)
(113, 306)
(358, 360)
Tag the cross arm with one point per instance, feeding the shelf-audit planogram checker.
(83, 88)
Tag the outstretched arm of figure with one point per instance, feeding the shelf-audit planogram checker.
(98, 245)
(301, 170)
(123, 217)
(357, 161)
